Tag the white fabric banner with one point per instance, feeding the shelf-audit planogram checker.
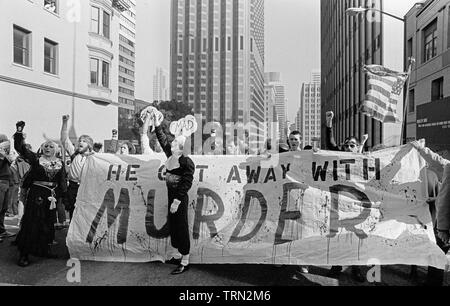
(303, 208)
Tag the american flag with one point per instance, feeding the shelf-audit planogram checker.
(385, 88)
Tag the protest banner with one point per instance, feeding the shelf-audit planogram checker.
(305, 208)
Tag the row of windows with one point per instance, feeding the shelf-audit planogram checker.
(125, 101)
(126, 61)
(127, 31)
(126, 91)
(126, 40)
(437, 93)
(126, 81)
(204, 46)
(126, 51)
(127, 71)
(22, 50)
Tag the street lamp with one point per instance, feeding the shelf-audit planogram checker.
(354, 11)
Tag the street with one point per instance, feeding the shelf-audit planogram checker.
(53, 272)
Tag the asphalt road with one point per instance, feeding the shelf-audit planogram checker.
(53, 272)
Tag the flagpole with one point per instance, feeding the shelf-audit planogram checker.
(405, 108)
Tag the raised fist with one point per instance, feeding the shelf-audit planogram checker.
(330, 115)
(66, 118)
(20, 125)
(365, 138)
(158, 118)
(148, 111)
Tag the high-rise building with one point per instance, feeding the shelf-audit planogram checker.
(61, 58)
(308, 116)
(127, 69)
(273, 79)
(161, 85)
(271, 118)
(349, 43)
(315, 77)
(217, 59)
(428, 41)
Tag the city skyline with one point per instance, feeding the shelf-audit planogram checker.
(281, 16)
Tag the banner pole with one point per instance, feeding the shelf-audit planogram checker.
(405, 107)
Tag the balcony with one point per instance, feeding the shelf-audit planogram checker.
(121, 5)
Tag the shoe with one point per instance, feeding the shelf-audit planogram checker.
(174, 261)
(7, 235)
(357, 275)
(180, 269)
(23, 262)
(334, 272)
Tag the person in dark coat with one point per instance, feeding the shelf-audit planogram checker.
(45, 183)
(179, 177)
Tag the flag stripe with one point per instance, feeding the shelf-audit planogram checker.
(383, 79)
(374, 87)
(381, 100)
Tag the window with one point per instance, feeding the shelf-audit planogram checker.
(106, 24)
(409, 49)
(217, 44)
(242, 43)
(95, 20)
(411, 102)
(94, 71)
(22, 46)
(229, 43)
(180, 46)
(50, 56)
(105, 74)
(192, 45)
(437, 89)
(251, 44)
(51, 6)
(204, 44)
(430, 41)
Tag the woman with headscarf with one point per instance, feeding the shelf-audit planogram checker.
(46, 183)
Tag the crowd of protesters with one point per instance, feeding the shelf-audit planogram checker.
(39, 187)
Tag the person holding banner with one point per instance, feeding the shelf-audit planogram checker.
(46, 183)
(179, 177)
(351, 144)
(439, 202)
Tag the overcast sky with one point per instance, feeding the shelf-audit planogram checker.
(292, 30)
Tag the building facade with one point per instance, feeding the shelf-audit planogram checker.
(161, 85)
(59, 57)
(273, 80)
(127, 70)
(272, 127)
(428, 41)
(217, 59)
(309, 115)
(349, 43)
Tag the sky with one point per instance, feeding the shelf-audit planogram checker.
(292, 42)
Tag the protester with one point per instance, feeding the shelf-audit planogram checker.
(78, 159)
(127, 148)
(145, 140)
(294, 141)
(22, 167)
(439, 202)
(351, 144)
(46, 183)
(179, 177)
(6, 159)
